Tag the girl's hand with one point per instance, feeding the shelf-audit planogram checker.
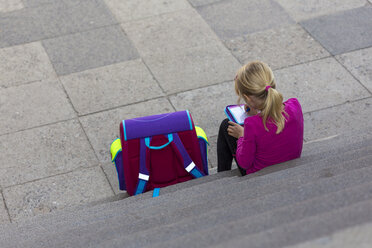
(235, 130)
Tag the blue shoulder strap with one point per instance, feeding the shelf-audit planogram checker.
(143, 176)
(188, 164)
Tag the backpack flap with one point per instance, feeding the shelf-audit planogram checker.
(156, 125)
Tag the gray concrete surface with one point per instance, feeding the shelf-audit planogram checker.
(203, 200)
(359, 236)
(72, 69)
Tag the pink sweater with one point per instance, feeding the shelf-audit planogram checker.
(260, 148)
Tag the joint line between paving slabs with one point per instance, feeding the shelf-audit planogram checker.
(354, 76)
(218, 38)
(150, 99)
(303, 63)
(108, 180)
(199, 88)
(6, 206)
(162, 89)
(81, 125)
(205, 4)
(86, 136)
(62, 35)
(334, 56)
(225, 46)
(43, 125)
(120, 106)
(337, 105)
(19, 83)
(51, 176)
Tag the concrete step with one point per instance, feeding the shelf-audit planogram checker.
(257, 189)
(74, 212)
(357, 236)
(318, 151)
(234, 212)
(337, 142)
(85, 235)
(106, 210)
(99, 213)
(307, 229)
(253, 224)
(66, 223)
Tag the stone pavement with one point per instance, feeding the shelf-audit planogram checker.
(70, 70)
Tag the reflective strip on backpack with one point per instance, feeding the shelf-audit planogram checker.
(188, 164)
(143, 177)
(190, 167)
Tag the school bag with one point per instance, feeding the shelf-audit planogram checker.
(159, 150)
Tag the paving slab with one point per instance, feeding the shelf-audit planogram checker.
(129, 10)
(170, 32)
(319, 84)
(359, 63)
(10, 5)
(203, 2)
(193, 68)
(103, 128)
(212, 156)
(339, 119)
(110, 172)
(301, 10)
(32, 105)
(37, 3)
(235, 18)
(110, 86)
(49, 194)
(278, 47)
(45, 151)
(24, 63)
(207, 105)
(212, 152)
(344, 31)
(4, 217)
(90, 49)
(50, 20)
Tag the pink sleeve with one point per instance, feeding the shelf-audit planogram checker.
(246, 148)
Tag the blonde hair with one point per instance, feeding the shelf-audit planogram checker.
(254, 79)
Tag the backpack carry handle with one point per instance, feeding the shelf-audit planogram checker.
(147, 142)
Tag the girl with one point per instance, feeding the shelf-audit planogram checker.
(272, 134)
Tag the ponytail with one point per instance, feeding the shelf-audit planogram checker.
(273, 109)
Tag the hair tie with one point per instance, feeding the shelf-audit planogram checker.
(267, 88)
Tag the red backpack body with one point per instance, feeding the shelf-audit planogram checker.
(158, 151)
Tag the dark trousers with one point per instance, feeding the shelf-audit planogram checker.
(226, 149)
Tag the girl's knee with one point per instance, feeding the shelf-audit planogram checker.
(224, 124)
